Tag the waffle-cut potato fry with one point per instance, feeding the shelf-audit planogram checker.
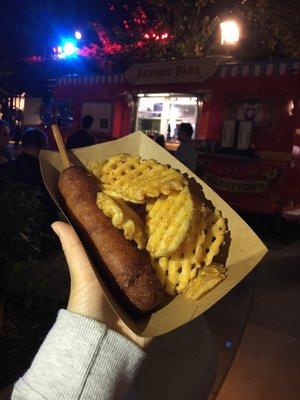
(136, 180)
(206, 279)
(177, 270)
(96, 168)
(123, 217)
(181, 234)
(161, 266)
(117, 193)
(168, 221)
(214, 238)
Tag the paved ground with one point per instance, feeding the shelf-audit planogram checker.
(180, 365)
(267, 365)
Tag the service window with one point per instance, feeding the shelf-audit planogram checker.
(102, 113)
(163, 113)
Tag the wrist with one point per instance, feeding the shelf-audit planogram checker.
(123, 330)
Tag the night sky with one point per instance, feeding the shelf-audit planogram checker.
(29, 27)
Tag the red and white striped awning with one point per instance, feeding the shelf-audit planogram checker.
(90, 79)
(259, 68)
(227, 70)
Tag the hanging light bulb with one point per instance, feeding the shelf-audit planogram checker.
(230, 32)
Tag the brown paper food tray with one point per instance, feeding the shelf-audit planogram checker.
(243, 252)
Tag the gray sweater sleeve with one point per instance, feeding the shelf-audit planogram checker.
(80, 359)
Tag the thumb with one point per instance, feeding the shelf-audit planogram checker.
(79, 265)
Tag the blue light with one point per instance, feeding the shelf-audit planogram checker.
(78, 35)
(69, 48)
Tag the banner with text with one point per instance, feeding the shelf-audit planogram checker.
(185, 71)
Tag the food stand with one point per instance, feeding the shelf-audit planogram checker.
(246, 120)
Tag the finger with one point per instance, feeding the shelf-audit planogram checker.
(78, 262)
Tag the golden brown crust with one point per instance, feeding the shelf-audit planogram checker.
(130, 267)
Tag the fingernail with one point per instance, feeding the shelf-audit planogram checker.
(54, 227)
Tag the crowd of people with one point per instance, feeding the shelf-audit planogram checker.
(19, 161)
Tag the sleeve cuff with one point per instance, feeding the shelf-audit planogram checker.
(80, 358)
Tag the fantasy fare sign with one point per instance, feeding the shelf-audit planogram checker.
(185, 71)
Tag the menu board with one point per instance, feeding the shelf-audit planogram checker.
(228, 134)
(260, 109)
(244, 137)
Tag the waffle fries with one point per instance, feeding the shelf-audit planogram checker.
(135, 180)
(178, 269)
(215, 231)
(168, 221)
(181, 234)
(206, 279)
(201, 245)
(123, 217)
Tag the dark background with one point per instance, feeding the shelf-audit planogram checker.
(29, 27)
